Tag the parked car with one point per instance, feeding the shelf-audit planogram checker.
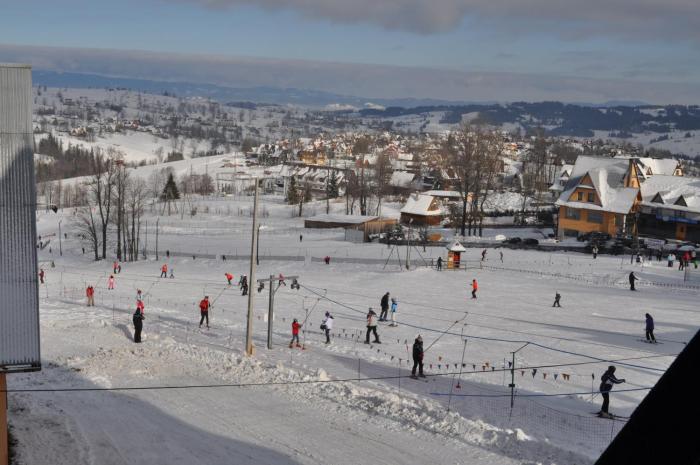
(531, 241)
(513, 240)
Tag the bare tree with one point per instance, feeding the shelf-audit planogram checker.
(101, 186)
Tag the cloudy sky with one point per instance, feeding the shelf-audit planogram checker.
(573, 50)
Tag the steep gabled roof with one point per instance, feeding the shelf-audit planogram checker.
(676, 192)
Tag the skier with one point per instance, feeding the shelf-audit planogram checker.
(385, 307)
(557, 298)
(301, 237)
(327, 260)
(167, 253)
(501, 254)
(243, 284)
(204, 310)
(483, 255)
(632, 279)
(114, 267)
(295, 333)
(172, 273)
(475, 287)
(372, 326)
(281, 281)
(164, 270)
(417, 358)
(439, 264)
(138, 320)
(394, 307)
(90, 293)
(110, 283)
(295, 284)
(606, 385)
(650, 329)
(595, 252)
(41, 275)
(229, 277)
(327, 325)
(681, 263)
(138, 294)
(670, 259)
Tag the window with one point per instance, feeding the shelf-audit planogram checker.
(591, 197)
(570, 233)
(573, 214)
(580, 196)
(595, 217)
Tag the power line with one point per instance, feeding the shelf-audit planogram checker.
(441, 394)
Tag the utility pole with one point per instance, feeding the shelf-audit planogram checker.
(251, 279)
(60, 242)
(512, 376)
(157, 220)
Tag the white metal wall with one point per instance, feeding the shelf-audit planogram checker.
(19, 296)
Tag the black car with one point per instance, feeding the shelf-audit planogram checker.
(513, 240)
(531, 241)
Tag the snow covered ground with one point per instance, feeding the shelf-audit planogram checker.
(211, 404)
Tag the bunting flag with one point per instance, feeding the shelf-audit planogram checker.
(464, 365)
(565, 376)
(439, 366)
(483, 367)
(493, 368)
(510, 364)
(440, 357)
(474, 366)
(486, 363)
(544, 375)
(431, 366)
(534, 372)
(522, 372)
(555, 376)
(592, 375)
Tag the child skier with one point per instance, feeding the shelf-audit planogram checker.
(204, 310)
(418, 353)
(372, 326)
(110, 283)
(90, 293)
(295, 333)
(164, 270)
(41, 275)
(394, 307)
(229, 278)
(475, 287)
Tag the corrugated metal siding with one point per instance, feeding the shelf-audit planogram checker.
(19, 292)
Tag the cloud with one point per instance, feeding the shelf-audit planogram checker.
(361, 80)
(650, 19)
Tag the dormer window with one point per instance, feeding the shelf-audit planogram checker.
(580, 196)
(657, 198)
(681, 202)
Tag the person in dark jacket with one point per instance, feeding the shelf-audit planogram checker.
(606, 385)
(138, 320)
(557, 298)
(439, 264)
(385, 307)
(418, 357)
(632, 278)
(650, 329)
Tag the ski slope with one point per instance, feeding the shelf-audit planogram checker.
(348, 402)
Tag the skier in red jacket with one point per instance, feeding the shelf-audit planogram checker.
(90, 293)
(204, 310)
(475, 287)
(229, 278)
(295, 333)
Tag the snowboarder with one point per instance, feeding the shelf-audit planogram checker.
(439, 264)
(372, 326)
(394, 307)
(229, 278)
(475, 287)
(483, 255)
(606, 385)
(595, 252)
(385, 307)
(204, 310)
(632, 279)
(41, 275)
(557, 298)
(650, 328)
(110, 283)
(327, 325)
(164, 270)
(295, 333)
(90, 293)
(418, 358)
(138, 320)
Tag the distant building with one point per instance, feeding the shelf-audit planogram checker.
(367, 224)
(670, 208)
(428, 208)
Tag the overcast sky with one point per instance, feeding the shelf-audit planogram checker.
(457, 49)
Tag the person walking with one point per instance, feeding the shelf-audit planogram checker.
(372, 326)
(557, 298)
(295, 333)
(670, 259)
(385, 307)
(649, 328)
(418, 353)
(483, 255)
(41, 275)
(606, 385)
(301, 237)
(595, 252)
(110, 283)
(501, 255)
(632, 279)
(475, 287)
(394, 307)
(204, 310)
(164, 270)
(243, 284)
(439, 264)
(229, 278)
(138, 320)
(327, 325)
(90, 293)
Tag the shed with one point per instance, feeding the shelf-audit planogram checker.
(367, 224)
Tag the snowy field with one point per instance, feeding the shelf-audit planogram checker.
(348, 402)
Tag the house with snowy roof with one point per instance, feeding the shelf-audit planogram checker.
(600, 196)
(670, 207)
(428, 208)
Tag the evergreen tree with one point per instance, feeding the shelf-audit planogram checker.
(332, 190)
(170, 192)
(292, 192)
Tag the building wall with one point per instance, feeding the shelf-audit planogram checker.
(420, 220)
(583, 225)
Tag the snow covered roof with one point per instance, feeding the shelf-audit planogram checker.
(456, 246)
(401, 178)
(658, 166)
(450, 194)
(338, 218)
(674, 191)
(419, 204)
(607, 177)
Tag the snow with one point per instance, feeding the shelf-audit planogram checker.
(350, 219)
(419, 204)
(297, 406)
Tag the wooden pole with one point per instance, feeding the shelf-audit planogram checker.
(251, 279)
(4, 438)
